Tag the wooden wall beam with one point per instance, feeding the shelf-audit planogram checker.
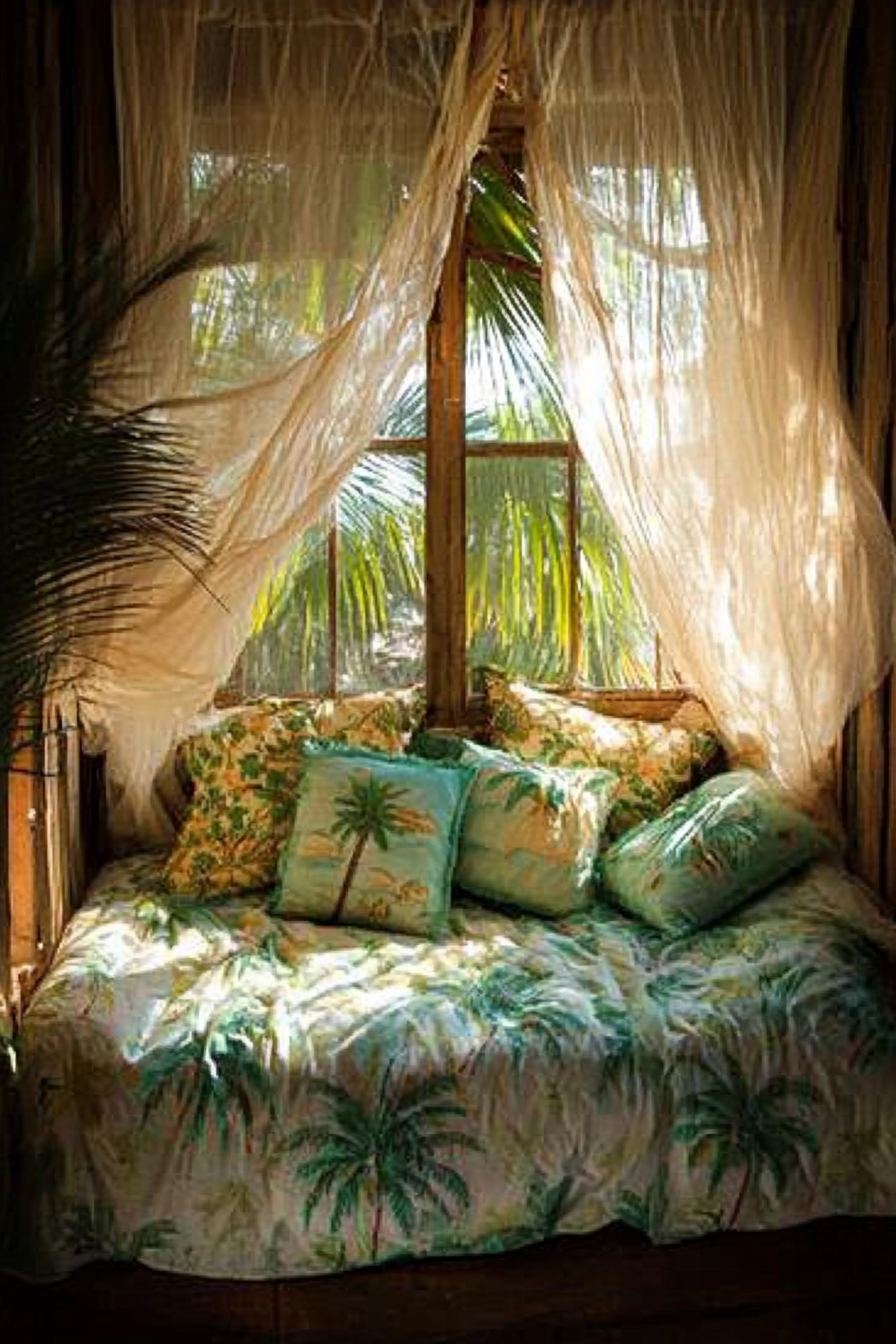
(23, 785)
(868, 754)
(446, 603)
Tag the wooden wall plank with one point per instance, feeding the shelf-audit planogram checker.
(446, 617)
(5, 903)
(23, 781)
(868, 783)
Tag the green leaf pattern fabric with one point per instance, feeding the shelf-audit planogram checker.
(208, 1088)
(531, 832)
(713, 849)
(656, 762)
(244, 769)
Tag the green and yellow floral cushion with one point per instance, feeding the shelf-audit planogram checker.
(242, 769)
(244, 772)
(655, 762)
(531, 832)
(374, 842)
(728, 840)
(380, 720)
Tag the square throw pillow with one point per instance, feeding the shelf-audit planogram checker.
(710, 852)
(374, 842)
(655, 762)
(379, 720)
(244, 773)
(531, 832)
(243, 766)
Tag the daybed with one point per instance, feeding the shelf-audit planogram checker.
(212, 1087)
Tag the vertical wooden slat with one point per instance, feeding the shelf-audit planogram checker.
(574, 623)
(43, 895)
(23, 788)
(56, 833)
(30, 192)
(5, 906)
(446, 621)
(868, 784)
(89, 174)
(62, 846)
(333, 603)
(75, 846)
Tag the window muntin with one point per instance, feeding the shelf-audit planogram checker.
(548, 593)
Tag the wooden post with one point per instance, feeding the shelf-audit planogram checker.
(5, 928)
(868, 782)
(446, 542)
(23, 783)
(574, 619)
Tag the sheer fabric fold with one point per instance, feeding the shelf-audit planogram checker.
(322, 143)
(684, 164)
(684, 161)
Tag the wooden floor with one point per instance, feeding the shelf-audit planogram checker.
(821, 1283)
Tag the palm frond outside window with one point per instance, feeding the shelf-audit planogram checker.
(549, 595)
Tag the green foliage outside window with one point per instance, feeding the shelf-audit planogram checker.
(520, 579)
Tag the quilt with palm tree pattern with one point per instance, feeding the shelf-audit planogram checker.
(210, 1089)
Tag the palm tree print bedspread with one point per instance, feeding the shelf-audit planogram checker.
(210, 1089)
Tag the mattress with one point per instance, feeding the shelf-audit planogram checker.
(208, 1089)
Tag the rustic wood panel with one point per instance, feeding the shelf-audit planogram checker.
(56, 906)
(824, 1282)
(89, 177)
(446, 619)
(23, 790)
(868, 783)
(5, 904)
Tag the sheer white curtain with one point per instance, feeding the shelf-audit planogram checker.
(684, 162)
(322, 142)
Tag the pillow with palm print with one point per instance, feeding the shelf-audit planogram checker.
(731, 838)
(243, 770)
(655, 762)
(374, 842)
(531, 832)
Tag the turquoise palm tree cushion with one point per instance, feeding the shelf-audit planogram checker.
(531, 832)
(374, 842)
(710, 852)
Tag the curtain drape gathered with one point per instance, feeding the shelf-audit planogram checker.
(684, 164)
(322, 144)
(684, 160)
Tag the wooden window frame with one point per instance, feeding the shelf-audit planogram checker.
(447, 452)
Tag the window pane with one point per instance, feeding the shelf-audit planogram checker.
(381, 602)
(511, 384)
(518, 565)
(617, 641)
(512, 389)
(289, 649)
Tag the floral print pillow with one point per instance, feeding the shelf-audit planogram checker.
(531, 832)
(374, 842)
(243, 770)
(728, 840)
(655, 762)
(244, 773)
(379, 720)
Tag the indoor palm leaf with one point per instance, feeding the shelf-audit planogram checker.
(89, 490)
